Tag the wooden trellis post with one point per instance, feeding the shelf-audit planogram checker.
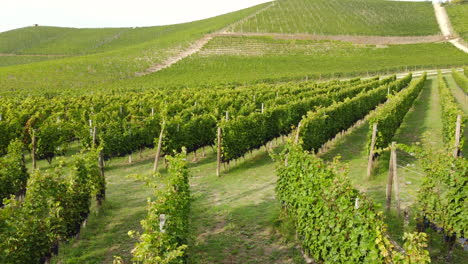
(396, 182)
(371, 151)
(33, 149)
(94, 136)
(296, 140)
(158, 151)
(162, 223)
(218, 158)
(390, 179)
(90, 127)
(101, 195)
(456, 150)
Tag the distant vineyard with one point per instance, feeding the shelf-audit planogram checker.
(350, 17)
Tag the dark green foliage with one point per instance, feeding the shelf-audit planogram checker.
(13, 172)
(443, 196)
(461, 80)
(53, 210)
(247, 133)
(322, 125)
(335, 222)
(389, 117)
(450, 111)
(167, 244)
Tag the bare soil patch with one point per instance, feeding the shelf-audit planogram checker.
(371, 40)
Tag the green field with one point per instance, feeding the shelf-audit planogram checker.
(14, 41)
(236, 60)
(145, 40)
(130, 54)
(65, 91)
(458, 14)
(350, 17)
(248, 59)
(9, 60)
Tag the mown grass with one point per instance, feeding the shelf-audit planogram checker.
(106, 233)
(234, 218)
(350, 17)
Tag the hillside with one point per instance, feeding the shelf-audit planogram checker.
(350, 17)
(291, 132)
(458, 14)
(130, 53)
(14, 41)
(250, 59)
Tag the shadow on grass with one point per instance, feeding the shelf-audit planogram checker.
(248, 234)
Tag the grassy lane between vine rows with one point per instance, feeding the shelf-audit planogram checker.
(105, 234)
(421, 124)
(235, 218)
(460, 97)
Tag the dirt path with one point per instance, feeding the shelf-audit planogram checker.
(447, 29)
(372, 40)
(196, 46)
(441, 14)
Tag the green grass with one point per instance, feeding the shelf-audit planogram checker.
(460, 97)
(350, 17)
(264, 58)
(134, 52)
(235, 218)
(24, 59)
(14, 41)
(106, 234)
(458, 14)
(458, 93)
(76, 41)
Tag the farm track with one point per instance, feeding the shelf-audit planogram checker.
(447, 29)
(442, 18)
(196, 46)
(371, 40)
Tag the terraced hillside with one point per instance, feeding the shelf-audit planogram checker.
(253, 59)
(350, 17)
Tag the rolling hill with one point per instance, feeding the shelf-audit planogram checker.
(259, 136)
(350, 17)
